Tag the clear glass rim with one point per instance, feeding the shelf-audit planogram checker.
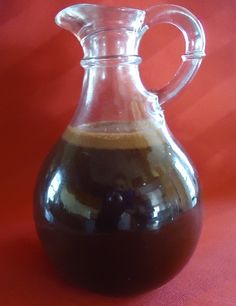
(115, 8)
(73, 8)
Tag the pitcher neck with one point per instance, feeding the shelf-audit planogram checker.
(111, 43)
(113, 91)
(111, 80)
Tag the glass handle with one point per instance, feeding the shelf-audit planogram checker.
(194, 36)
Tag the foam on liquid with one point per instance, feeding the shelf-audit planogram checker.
(108, 135)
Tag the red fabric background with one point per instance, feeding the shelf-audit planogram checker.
(40, 81)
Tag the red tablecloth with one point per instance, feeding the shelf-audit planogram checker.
(40, 81)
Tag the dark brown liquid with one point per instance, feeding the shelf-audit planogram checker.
(109, 215)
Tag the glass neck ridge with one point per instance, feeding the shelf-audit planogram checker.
(110, 61)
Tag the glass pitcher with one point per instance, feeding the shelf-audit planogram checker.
(117, 203)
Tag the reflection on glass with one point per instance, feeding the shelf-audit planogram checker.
(54, 186)
(48, 216)
(74, 206)
(187, 179)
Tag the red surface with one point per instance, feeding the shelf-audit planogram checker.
(40, 81)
